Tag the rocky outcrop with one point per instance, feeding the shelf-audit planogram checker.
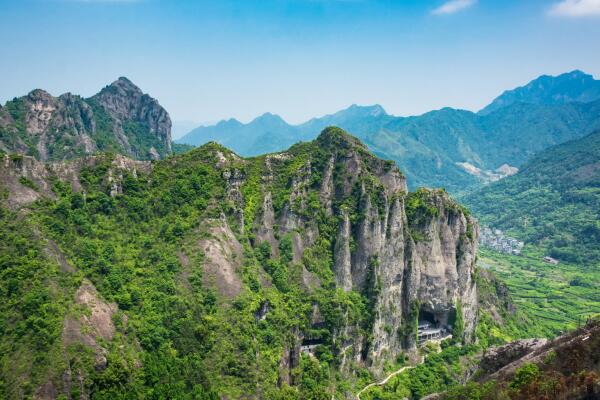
(28, 179)
(124, 102)
(412, 255)
(563, 368)
(568, 353)
(93, 326)
(89, 324)
(340, 226)
(223, 256)
(119, 119)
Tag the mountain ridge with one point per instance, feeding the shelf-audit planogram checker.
(433, 147)
(570, 87)
(119, 118)
(237, 277)
(552, 201)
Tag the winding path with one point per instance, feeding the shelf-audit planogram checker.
(387, 378)
(391, 375)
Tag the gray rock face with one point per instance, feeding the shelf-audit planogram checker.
(407, 260)
(28, 179)
(125, 102)
(119, 119)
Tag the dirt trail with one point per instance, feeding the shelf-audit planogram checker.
(391, 375)
(387, 378)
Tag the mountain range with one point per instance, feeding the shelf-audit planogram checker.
(574, 87)
(128, 270)
(455, 149)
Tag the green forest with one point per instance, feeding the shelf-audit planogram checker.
(553, 202)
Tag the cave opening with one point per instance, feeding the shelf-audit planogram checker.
(435, 324)
(426, 317)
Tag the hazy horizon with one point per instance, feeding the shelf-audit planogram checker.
(208, 61)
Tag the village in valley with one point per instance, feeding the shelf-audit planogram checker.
(496, 240)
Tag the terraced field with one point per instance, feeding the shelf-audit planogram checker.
(555, 298)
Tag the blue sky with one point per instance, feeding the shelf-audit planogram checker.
(207, 60)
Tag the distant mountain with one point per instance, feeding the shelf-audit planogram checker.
(554, 201)
(265, 134)
(455, 149)
(575, 86)
(120, 119)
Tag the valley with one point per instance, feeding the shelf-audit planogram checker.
(557, 297)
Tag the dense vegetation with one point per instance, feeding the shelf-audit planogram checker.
(438, 372)
(177, 335)
(553, 202)
(179, 148)
(35, 296)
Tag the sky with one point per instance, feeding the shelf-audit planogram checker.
(209, 60)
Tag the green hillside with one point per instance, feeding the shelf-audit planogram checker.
(139, 279)
(553, 202)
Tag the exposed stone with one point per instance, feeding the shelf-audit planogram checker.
(223, 255)
(427, 264)
(15, 170)
(91, 327)
(124, 101)
(68, 126)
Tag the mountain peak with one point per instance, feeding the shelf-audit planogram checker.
(339, 138)
(124, 79)
(123, 86)
(569, 87)
(39, 94)
(374, 110)
(577, 73)
(268, 118)
(229, 122)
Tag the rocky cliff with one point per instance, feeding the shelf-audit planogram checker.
(119, 119)
(411, 254)
(255, 271)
